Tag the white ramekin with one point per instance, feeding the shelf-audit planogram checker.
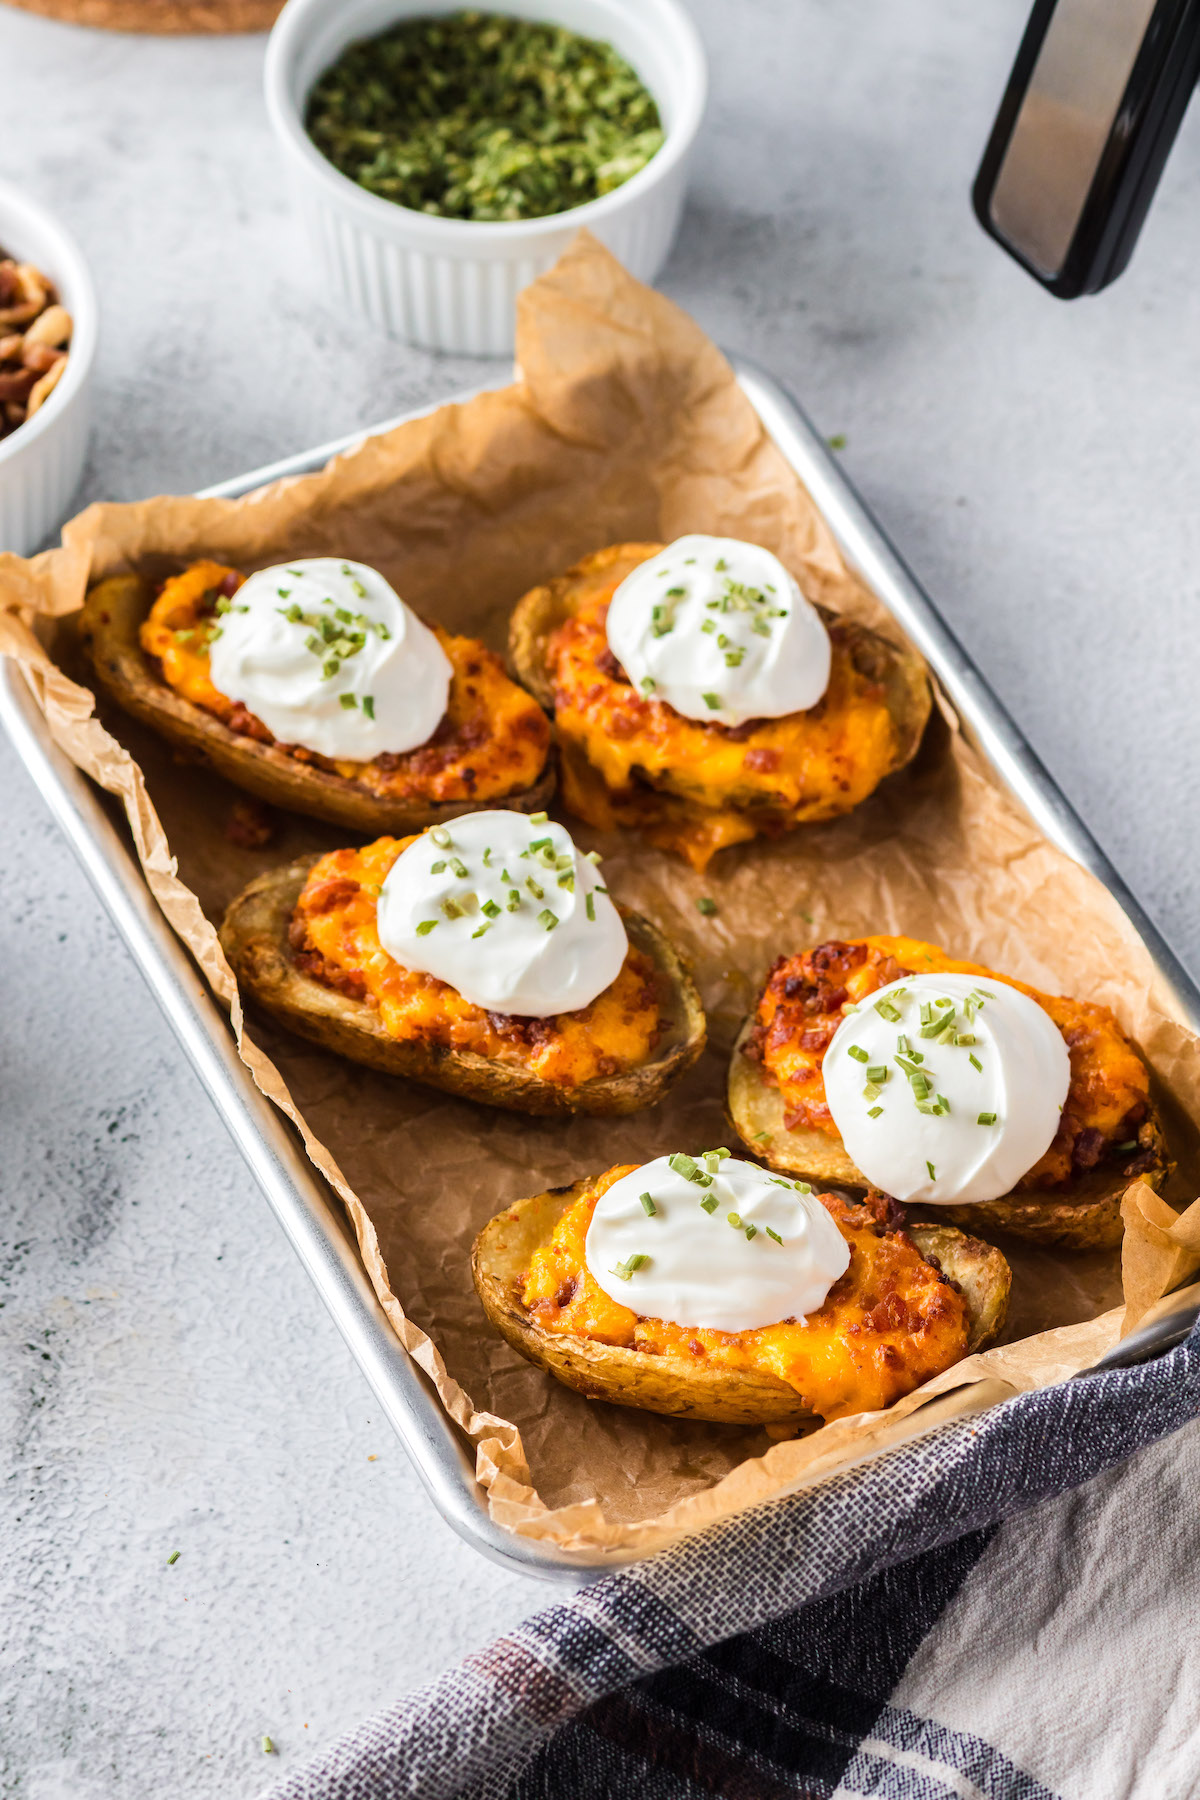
(42, 461)
(451, 284)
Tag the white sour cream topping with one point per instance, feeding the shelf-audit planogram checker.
(1004, 1087)
(720, 631)
(714, 1265)
(504, 908)
(328, 656)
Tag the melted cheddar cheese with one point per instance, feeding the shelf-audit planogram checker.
(692, 787)
(493, 740)
(801, 1009)
(335, 939)
(891, 1322)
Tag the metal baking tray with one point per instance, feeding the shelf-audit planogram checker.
(308, 1210)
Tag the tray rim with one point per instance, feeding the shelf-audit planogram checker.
(309, 1212)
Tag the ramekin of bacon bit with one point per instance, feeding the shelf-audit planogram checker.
(35, 338)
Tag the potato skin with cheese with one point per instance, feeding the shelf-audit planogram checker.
(691, 787)
(149, 654)
(1072, 1195)
(587, 1062)
(912, 1303)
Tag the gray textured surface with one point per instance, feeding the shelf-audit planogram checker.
(167, 1379)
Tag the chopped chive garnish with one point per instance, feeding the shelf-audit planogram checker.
(964, 1038)
(452, 909)
(802, 1187)
(707, 906)
(513, 903)
(872, 1091)
(590, 906)
(932, 1171)
(772, 1234)
(486, 926)
(490, 908)
(751, 1232)
(734, 1219)
(710, 1203)
(874, 1112)
(539, 818)
(647, 684)
(458, 867)
(760, 1137)
(878, 1072)
(537, 892)
(712, 701)
(648, 1206)
(594, 857)
(858, 1053)
(975, 1062)
(684, 1165)
(173, 1558)
(567, 880)
(629, 1267)
(438, 868)
(348, 701)
(368, 705)
(487, 857)
(267, 1745)
(547, 918)
(441, 837)
(425, 927)
(988, 1118)
(1127, 1148)
(887, 1011)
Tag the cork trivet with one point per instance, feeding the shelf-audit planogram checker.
(160, 15)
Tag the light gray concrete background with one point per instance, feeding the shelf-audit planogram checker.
(168, 1381)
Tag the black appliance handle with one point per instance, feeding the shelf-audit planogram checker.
(1096, 95)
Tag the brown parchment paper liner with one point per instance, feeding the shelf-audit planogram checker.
(626, 423)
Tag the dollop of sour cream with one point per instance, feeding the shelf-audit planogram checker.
(328, 656)
(720, 631)
(947, 1089)
(714, 1242)
(503, 907)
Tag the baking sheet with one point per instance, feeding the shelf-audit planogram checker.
(624, 400)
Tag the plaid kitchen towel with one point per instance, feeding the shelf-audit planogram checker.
(1003, 1610)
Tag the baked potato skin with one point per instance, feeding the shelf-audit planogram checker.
(663, 1384)
(254, 936)
(1088, 1219)
(112, 615)
(538, 615)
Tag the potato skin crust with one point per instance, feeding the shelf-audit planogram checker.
(1087, 1215)
(111, 620)
(676, 807)
(254, 936)
(669, 1384)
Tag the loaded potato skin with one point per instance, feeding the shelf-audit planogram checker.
(691, 787)
(303, 943)
(911, 1303)
(150, 655)
(1109, 1132)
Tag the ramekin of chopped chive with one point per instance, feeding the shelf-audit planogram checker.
(442, 158)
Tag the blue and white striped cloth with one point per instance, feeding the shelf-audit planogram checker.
(1003, 1610)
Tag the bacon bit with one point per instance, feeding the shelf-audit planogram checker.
(608, 665)
(1087, 1150)
(343, 981)
(243, 721)
(328, 894)
(763, 761)
(566, 1293)
(251, 825)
